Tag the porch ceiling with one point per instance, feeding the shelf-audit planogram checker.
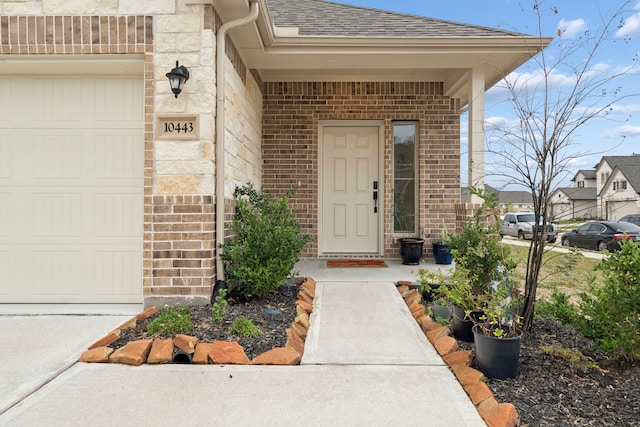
(281, 54)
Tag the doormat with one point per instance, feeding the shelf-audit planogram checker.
(358, 263)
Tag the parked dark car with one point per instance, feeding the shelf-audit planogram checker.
(633, 219)
(601, 235)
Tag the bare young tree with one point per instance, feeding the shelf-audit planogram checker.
(566, 88)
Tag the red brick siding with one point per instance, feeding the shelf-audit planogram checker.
(293, 112)
(182, 233)
(75, 34)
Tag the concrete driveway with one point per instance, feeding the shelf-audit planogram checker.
(39, 342)
(369, 364)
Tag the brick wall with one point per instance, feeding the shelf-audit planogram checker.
(182, 232)
(291, 117)
(75, 34)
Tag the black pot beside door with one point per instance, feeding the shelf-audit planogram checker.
(411, 250)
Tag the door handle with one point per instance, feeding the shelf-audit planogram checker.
(375, 196)
(375, 202)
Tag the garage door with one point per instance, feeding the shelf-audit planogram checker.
(619, 209)
(71, 189)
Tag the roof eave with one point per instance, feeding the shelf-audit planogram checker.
(282, 52)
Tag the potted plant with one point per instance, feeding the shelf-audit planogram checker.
(497, 333)
(478, 253)
(466, 304)
(441, 253)
(411, 250)
(433, 286)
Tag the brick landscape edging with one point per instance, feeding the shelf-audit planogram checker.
(493, 413)
(157, 351)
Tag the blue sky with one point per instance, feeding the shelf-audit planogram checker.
(600, 136)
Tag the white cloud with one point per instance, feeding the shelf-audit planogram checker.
(497, 122)
(628, 131)
(536, 79)
(572, 29)
(625, 109)
(581, 162)
(631, 26)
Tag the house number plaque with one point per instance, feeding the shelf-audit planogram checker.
(184, 127)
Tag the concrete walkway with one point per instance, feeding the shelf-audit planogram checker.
(366, 363)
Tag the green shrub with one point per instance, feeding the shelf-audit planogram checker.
(611, 312)
(267, 243)
(478, 248)
(171, 321)
(243, 327)
(219, 306)
(557, 306)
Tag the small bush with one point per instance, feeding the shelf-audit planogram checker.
(243, 327)
(267, 243)
(171, 321)
(559, 307)
(219, 306)
(611, 312)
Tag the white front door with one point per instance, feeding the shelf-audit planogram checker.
(349, 214)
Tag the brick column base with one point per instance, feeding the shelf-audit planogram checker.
(182, 250)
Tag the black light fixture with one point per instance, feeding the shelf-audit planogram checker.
(177, 77)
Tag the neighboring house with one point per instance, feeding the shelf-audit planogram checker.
(510, 200)
(113, 190)
(610, 191)
(585, 178)
(579, 201)
(619, 192)
(573, 203)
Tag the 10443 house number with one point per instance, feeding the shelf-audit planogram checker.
(177, 127)
(184, 127)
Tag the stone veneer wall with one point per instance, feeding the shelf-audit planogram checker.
(294, 111)
(179, 176)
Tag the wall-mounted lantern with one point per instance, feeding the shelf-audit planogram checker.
(177, 78)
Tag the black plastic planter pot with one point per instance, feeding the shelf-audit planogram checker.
(411, 250)
(427, 295)
(462, 325)
(441, 311)
(497, 358)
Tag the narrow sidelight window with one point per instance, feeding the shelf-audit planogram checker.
(404, 177)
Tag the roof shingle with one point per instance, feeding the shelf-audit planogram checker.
(579, 193)
(629, 166)
(324, 18)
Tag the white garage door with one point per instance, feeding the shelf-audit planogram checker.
(71, 189)
(619, 209)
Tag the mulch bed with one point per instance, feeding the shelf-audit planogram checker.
(253, 309)
(549, 391)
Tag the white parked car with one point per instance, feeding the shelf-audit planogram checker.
(520, 225)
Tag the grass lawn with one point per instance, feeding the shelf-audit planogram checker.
(568, 272)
